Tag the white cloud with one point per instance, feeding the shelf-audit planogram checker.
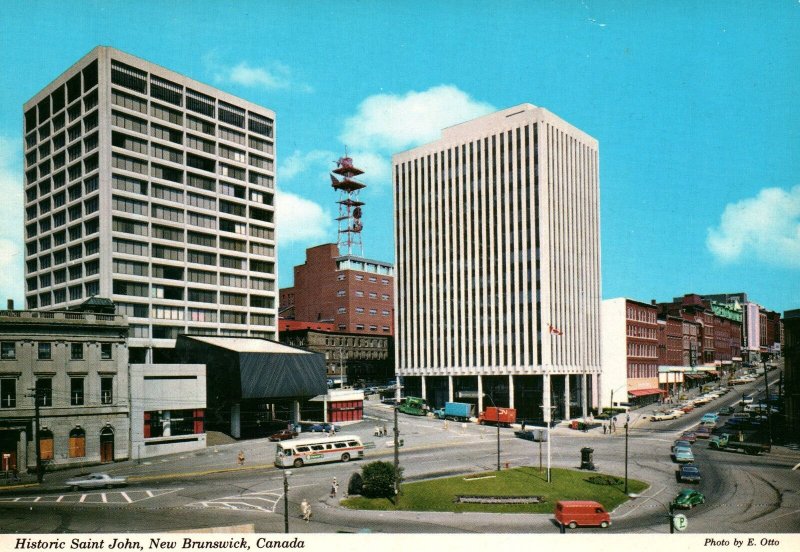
(765, 227)
(393, 122)
(274, 76)
(302, 163)
(301, 220)
(11, 243)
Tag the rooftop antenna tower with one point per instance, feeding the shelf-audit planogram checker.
(349, 218)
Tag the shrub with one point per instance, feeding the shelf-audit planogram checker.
(356, 484)
(379, 480)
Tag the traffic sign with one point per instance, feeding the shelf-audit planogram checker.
(680, 522)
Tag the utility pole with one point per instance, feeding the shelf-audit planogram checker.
(396, 454)
(286, 474)
(766, 401)
(39, 471)
(627, 423)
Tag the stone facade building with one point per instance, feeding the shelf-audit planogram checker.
(76, 365)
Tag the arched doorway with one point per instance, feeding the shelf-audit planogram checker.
(107, 445)
(46, 444)
(77, 443)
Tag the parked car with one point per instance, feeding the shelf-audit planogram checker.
(688, 407)
(702, 432)
(96, 481)
(688, 436)
(683, 454)
(282, 435)
(726, 411)
(689, 473)
(710, 418)
(688, 498)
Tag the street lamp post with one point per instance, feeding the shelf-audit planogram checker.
(497, 423)
(669, 509)
(627, 423)
(286, 474)
(396, 453)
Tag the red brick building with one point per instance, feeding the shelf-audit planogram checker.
(354, 294)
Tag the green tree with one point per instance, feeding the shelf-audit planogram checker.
(379, 479)
(356, 484)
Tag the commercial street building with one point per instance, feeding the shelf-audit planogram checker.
(357, 357)
(75, 364)
(497, 245)
(155, 190)
(353, 293)
(791, 380)
(630, 352)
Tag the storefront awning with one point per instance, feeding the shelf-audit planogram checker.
(713, 372)
(694, 376)
(645, 392)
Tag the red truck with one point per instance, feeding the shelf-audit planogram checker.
(497, 414)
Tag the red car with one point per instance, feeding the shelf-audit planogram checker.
(687, 408)
(282, 435)
(688, 436)
(702, 432)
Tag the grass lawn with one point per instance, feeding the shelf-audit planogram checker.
(438, 495)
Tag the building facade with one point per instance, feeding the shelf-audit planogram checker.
(498, 264)
(630, 352)
(791, 379)
(75, 364)
(155, 190)
(350, 358)
(354, 294)
(168, 404)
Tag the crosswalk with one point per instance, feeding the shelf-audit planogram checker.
(109, 497)
(263, 501)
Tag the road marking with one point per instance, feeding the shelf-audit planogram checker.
(104, 498)
(110, 498)
(150, 494)
(83, 497)
(126, 497)
(59, 498)
(796, 467)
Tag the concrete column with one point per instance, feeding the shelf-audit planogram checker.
(585, 399)
(22, 452)
(510, 391)
(480, 393)
(424, 388)
(546, 412)
(567, 413)
(236, 426)
(450, 388)
(296, 412)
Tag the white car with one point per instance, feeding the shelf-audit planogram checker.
(661, 416)
(96, 481)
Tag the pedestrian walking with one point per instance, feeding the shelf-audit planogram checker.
(604, 429)
(523, 425)
(385, 431)
(334, 488)
(305, 508)
(241, 458)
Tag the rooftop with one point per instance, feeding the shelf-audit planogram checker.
(248, 344)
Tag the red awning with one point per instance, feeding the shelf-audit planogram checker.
(713, 372)
(644, 392)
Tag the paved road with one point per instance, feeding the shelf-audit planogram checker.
(207, 488)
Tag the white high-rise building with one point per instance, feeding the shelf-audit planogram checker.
(497, 237)
(154, 190)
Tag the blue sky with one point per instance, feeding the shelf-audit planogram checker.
(695, 106)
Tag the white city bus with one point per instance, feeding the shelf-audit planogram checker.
(315, 450)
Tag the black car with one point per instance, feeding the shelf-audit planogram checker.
(689, 473)
(726, 411)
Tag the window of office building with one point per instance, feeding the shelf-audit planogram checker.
(8, 393)
(76, 391)
(106, 350)
(44, 351)
(76, 351)
(106, 390)
(8, 350)
(44, 391)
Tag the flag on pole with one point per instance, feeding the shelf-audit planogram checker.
(554, 330)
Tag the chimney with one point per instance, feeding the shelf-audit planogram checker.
(10, 304)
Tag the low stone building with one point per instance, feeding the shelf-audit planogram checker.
(75, 364)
